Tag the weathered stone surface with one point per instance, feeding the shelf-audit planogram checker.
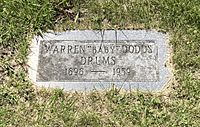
(83, 60)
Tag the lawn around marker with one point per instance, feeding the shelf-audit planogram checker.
(21, 104)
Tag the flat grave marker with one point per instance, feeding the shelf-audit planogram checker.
(84, 60)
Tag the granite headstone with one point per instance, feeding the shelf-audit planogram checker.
(84, 60)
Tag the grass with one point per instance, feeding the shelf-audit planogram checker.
(23, 105)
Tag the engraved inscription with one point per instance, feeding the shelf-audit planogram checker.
(96, 60)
